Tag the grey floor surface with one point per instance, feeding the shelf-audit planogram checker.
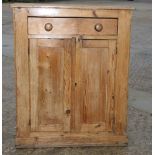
(140, 80)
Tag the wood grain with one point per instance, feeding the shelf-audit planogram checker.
(71, 6)
(72, 81)
(95, 85)
(65, 12)
(60, 36)
(121, 86)
(111, 84)
(67, 83)
(33, 83)
(22, 72)
(95, 43)
(72, 26)
(72, 140)
(47, 85)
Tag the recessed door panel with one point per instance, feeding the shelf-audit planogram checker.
(95, 64)
(50, 83)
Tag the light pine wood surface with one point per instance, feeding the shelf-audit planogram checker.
(71, 75)
(72, 26)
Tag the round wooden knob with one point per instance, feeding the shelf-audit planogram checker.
(48, 26)
(98, 27)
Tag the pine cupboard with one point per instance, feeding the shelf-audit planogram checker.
(71, 74)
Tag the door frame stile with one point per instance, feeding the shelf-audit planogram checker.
(67, 83)
(33, 57)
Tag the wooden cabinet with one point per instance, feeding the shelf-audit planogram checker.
(72, 75)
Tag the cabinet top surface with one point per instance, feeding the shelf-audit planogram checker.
(72, 6)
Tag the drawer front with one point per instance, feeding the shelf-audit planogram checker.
(87, 26)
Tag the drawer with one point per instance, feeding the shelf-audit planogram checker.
(82, 26)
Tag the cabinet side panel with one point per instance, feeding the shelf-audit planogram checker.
(22, 71)
(121, 80)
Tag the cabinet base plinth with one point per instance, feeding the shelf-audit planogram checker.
(71, 141)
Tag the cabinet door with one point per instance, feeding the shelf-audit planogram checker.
(50, 83)
(94, 86)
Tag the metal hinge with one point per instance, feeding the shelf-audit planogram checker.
(29, 122)
(116, 50)
(28, 49)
